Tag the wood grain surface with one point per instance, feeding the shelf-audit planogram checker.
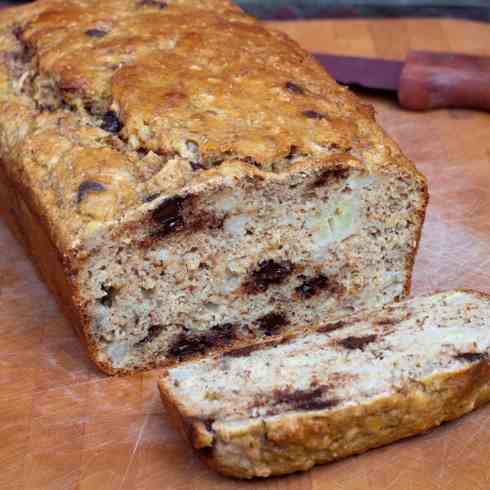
(65, 426)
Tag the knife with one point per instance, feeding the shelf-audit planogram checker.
(425, 80)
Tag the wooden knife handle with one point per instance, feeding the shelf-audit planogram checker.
(434, 80)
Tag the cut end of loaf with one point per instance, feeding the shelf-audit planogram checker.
(246, 255)
(341, 389)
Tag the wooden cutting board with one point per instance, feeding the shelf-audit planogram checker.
(65, 426)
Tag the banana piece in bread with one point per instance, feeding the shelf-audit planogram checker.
(347, 386)
(187, 180)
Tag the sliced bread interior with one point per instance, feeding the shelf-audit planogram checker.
(347, 386)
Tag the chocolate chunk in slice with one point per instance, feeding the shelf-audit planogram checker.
(310, 114)
(272, 323)
(294, 88)
(97, 33)
(353, 343)
(159, 4)
(111, 122)
(471, 356)
(87, 187)
(268, 273)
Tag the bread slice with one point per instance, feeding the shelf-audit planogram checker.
(188, 180)
(348, 386)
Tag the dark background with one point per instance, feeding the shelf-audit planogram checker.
(291, 9)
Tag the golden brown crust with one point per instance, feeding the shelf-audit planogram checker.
(295, 442)
(196, 80)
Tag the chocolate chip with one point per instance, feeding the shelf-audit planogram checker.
(331, 175)
(251, 161)
(355, 343)
(471, 356)
(160, 4)
(196, 166)
(17, 32)
(312, 286)
(111, 123)
(318, 404)
(271, 323)
(187, 344)
(330, 327)
(387, 321)
(315, 115)
(208, 423)
(304, 399)
(152, 197)
(288, 396)
(108, 298)
(293, 150)
(96, 33)
(168, 215)
(294, 88)
(87, 187)
(268, 273)
(246, 351)
(153, 332)
(46, 108)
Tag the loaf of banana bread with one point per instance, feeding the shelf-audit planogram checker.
(348, 386)
(187, 180)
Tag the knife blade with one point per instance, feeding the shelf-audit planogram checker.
(425, 80)
(372, 73)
